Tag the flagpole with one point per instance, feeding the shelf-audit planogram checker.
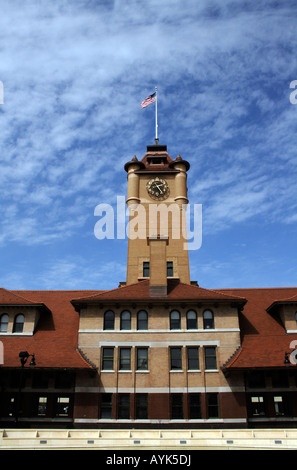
(156, 139)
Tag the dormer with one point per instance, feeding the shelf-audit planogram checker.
(18, 316)
(286, 309)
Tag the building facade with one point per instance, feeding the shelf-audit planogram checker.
(159, 350)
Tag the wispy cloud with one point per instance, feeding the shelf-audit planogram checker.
(74, 74)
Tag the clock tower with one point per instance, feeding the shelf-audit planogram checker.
(157, 201)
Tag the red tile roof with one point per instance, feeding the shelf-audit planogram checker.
(9, 298)
(276, 303)
(176, 291)
(55, 340)
(264, 338)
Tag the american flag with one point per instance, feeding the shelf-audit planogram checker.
(150, 99)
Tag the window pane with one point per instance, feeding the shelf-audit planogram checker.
(194, 405)
(212, 405)
(18, 323)
(125, 359)
(141, 402)
(193, 358)
(62, 406)
(108, 320)
(174, 320)
(176, 358)
(191, 320)
(125, 320)
(106, 406)
(146, 269)
(4, 323)
(142, 322)
(107, 358)
(177, 406)
(124, 406)
(257, 405)
(42, 403)
(210, 357)
(208, 321)
(142, 358)
(169, 268)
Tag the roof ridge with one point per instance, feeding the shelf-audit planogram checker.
(257, 288)
(111, 290)
(13, 295)
(212, 290)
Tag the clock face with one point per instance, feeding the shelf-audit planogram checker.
(158, 188)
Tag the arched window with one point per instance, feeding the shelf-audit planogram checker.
(4, 323)
(18, 324)
(175, 320)
(108, 320)
(125, 320)
(208, 320)
(191, 320)
(142, 320)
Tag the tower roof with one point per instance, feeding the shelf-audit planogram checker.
(157, 159)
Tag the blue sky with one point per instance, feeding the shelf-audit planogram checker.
(74, 74)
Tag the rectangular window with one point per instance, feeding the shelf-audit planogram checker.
(279, 406)
(125, 359)
(194, 406)
(210, 357)
(41, 408)
(146, 269)
(169, 268)
(106, 406)
(193, 358)
(282, 405)
(177, 406)
(107, 358)
(175, 358)
(212, 405)
(124, 406)
(141, 405)
(257, 405)
(142, 358)
(63, 404)
(11, 407)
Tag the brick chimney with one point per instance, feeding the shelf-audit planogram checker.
(158, 266)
